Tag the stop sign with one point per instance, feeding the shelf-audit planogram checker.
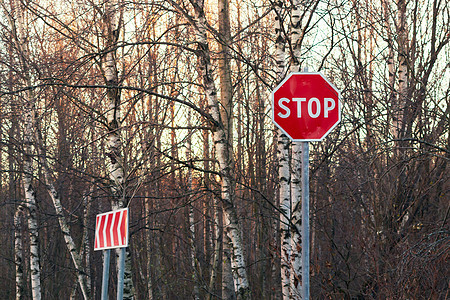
(306, 106)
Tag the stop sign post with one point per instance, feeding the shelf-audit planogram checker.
(306, 107)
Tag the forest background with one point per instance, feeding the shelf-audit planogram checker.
(164, 107)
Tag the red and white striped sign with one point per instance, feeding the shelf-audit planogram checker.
(111, 230)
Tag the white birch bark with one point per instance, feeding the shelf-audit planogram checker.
(296, 220)
(128, 286)
(223, 156)
(399, 121)
(226, 113)
(30, 195)
(65, 229)
(295, 27)
(228, 287)
(284, 177)
(84, 251)
(85, 248)
(114, 144)
(296, 186)
(283, 164)
(112, 19)
(30, 124)
(280, 42)
(400, 104)
(18, 256)
(216, 255)
(215, 224)
(30, 199)
(194, 263)
(226, 89)
(234, 231)
(391, 71)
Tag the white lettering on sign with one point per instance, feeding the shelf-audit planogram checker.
(299, 105)
(310, 103)
(288, 111)
(329, 105)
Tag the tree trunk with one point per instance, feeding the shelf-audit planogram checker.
(28, 110)
(226, 89)
(18, 248)
(296, 222)
(148, 242)
(114, 144)
(391, 92)
(190, 205)
(226, 114)
(283, 164)
(228, 289)
(216, 255)
(224, 157)
(85, 248)
(115, 160)
(399, 108)
(76, 258)
(30, 199)
(296, 183)
(401, 200)
(284, 177)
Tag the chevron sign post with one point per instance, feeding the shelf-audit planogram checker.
(111, 230)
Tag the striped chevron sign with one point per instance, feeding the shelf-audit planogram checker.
(111, 230)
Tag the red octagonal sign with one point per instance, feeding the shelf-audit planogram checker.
(306, 106)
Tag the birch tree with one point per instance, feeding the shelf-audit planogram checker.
(284, 175)
(32, 133)
(65, 229)
(112, 20)
(191, 219)
(18, 255)
(301, 17)
(226, 117)
(296, 167)
(223, 154)
(112, 24)
(399, 104)
(18, 27)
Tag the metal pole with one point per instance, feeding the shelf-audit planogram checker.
(105, 280)
(121, 272)
(305, 220)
